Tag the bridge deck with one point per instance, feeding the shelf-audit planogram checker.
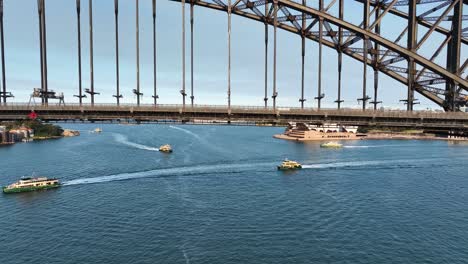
(150, 113)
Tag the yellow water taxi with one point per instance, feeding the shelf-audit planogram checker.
(289, 165)
(331, 145)
(166, 148)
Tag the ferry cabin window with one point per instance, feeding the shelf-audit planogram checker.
(48, 183)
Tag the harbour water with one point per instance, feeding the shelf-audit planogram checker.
(218, 198)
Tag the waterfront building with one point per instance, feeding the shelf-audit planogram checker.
(5, 137)
(305, 132)
(21, 134)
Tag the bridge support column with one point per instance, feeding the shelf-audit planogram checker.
(365, 39)
(155, 92)
(412, 43)
(375, 102)
(275, 24)
(43, 47)
(319, 87)
(91, 54)
(302, 100)
(80, 82)
(41, 50)
(340, 53)
(137, 20)
(453, 56)
(265, 99)
(182, 91)
(375, 56)
(117, 70)
(44, 39)
(339, 101)
(229, 57)
(2, 43)
(192, 97)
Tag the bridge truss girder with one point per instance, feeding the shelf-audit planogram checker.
(368, 33)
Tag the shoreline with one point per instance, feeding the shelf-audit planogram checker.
(373, 137)
(286, 137)
(47, 138)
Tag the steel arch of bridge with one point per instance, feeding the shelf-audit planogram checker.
(363, 42)
(336, 33)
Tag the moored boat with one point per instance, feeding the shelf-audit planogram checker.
(289, 165)
(331, 145)
(165, 148)
(31, 184)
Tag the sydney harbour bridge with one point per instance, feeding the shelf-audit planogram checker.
(428, 57)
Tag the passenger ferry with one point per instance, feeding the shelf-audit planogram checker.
(166, 148)
(31, 184)
(289, 165)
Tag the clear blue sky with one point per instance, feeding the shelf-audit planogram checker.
(23, 64)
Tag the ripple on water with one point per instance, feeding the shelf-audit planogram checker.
(223, 201)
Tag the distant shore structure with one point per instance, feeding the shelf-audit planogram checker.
(313, 132)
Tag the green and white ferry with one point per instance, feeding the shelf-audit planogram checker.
(31, 184)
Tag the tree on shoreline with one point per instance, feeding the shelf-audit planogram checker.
(40, 129)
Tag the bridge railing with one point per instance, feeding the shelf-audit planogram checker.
(234, 109)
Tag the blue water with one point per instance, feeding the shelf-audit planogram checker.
(218, 198)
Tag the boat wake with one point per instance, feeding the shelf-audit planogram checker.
(227, 168)
(186, 131)
(200, 139)
(187, 260)
(386, 163)
(373, 146)
(345, 164)
(191, 170)
(124, 140)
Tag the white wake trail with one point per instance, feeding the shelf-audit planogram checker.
(373, 146)
(224, 168)
(186, 131)
(200, 139)
(345, 164)
(124, 140)
(171, 171)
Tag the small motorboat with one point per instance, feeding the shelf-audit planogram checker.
(331, 145)
(166, 148)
